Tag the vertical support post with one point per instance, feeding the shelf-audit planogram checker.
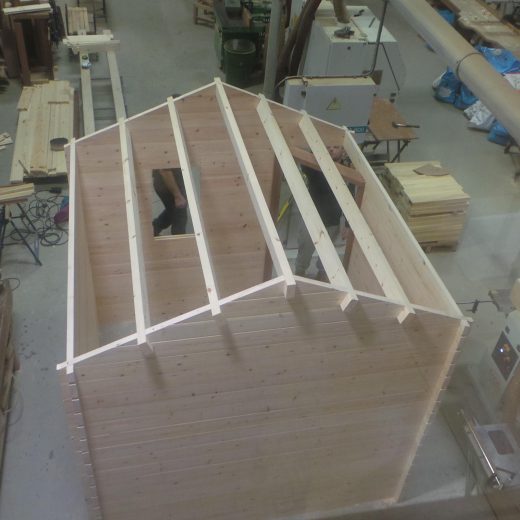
(273, 46)
(139, 286)
(22, 52)
(193, 205)
(71, 259)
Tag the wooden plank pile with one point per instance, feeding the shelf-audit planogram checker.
(16, 193)
(8, 360)
(433, 205)
(45, 112)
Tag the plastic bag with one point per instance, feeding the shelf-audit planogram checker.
(448, 88)
(498, 134)
(502, 60)
(479, 116)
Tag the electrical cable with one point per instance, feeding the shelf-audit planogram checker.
(41, 209)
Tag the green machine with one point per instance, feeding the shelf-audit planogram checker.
(241, 20)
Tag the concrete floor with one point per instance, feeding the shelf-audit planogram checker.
(162, 53)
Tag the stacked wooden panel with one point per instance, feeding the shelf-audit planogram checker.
(45, 112)
(434, 207)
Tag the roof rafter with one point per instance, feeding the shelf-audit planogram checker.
(327, 252)
(71, 259)
(193, 205)
(280, 262)
(364, 236)
(139, 286)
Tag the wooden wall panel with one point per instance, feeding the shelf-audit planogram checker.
(86, 318)
(360, 272)
(173, 271)
(100, 181)
(293, 408)
(235, 238)
(417, 276)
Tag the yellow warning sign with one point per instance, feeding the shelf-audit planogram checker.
(334, 105)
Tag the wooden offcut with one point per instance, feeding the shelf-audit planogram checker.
(434, 206)
(199, 384)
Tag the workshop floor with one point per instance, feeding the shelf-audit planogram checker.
(162, 53)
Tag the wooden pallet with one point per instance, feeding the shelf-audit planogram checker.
(45, 112)
(8, 361)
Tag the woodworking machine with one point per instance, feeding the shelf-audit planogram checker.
(336, 80)
(496, 380)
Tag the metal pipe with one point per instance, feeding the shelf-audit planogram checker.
(370, 71)
(470, 66)
(273, 47)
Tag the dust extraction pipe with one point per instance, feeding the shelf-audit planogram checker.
(470, 66)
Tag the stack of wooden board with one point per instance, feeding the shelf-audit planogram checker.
(17, 193)
(8, 360)
(434, 207)
(45, 112)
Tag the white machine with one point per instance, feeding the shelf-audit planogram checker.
(337, 83)
(500, 365)
(497, 382)
(331, 55)
(342, 101)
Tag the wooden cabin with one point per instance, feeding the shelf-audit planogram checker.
(203, 379)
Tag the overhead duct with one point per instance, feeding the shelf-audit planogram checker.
(469, 65)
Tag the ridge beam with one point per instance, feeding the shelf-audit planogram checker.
(368, 244)
(326, 251)
(194, 208)
(139, 286)
(272, 239)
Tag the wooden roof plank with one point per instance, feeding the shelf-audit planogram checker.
(195, 212)
(331, 262)
(280, 262)
(139, 286)
(367, 242)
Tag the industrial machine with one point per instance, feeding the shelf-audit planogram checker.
(337, 50)
(338, 75)
(496, 380)
(500, 365)
(243, 20)
(342, 101)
